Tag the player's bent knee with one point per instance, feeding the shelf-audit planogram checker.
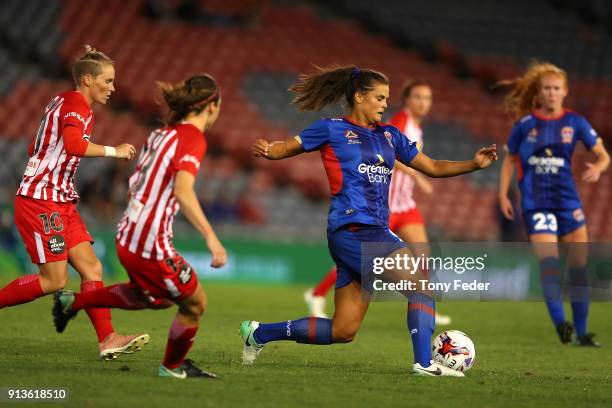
(344, 335)
(200, 307)
(92, 270)
(53, 283)
(57, 285)
(194, 310)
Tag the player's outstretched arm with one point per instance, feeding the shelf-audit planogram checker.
(277, 150)
(445, 168)
(187, 199)
(594, 170)
(75, 145)
(123, 151)
(505, 178)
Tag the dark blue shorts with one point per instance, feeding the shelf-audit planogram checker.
(345, 247)
(558, 222)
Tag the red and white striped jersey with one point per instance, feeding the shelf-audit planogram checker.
(50, 172)
(402, 185)
(146, 226)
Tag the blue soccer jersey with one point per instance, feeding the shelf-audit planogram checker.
(544, 149)
(359, 163)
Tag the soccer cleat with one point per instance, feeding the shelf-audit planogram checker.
(435, 370)
(116, 344)
(442, 320)
(587, 341)
(171, 372)
(316, 304)
(62, 309)
(194, 371)
(251, 349)
(187, 369)
(565, 330)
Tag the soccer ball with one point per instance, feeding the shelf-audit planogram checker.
(454, 349)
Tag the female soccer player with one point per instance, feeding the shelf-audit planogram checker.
(45, 206)
(405, 218)
(162, 183)
(358, 153)
(541, 145)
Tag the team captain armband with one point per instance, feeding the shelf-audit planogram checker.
(74, 143)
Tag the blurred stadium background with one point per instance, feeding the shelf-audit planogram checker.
(255, 49)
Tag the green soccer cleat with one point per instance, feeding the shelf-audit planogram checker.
(178, 372)
(62, 309)
(250, 349)
(187, 369)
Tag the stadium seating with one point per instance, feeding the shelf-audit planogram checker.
(254, 64)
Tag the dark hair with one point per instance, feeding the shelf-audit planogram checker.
(409, 85)
(192, 95)
(90, 62)
(328, 85)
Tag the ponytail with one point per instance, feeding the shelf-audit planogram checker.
(329, 85)
(192, 95)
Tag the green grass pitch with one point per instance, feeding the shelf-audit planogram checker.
(519, 360)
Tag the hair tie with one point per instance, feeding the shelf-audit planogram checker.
(355, 72)
(196, 105)
(188, 85)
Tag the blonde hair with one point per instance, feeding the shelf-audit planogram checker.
(90, 62)
(192, 95)
(522, 98)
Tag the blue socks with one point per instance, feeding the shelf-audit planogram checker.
(550, 277)
(309, 330)
(313, 330)
(579, 295)
(421, 323)
(550, 274)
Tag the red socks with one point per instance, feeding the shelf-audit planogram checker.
(326, 283)
(100, 318)
(22, 290)
(180, 340)
(120, 296)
